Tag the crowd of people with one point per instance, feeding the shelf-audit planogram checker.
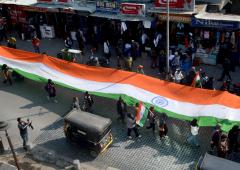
(130, 44)
(221, 144)
(128, 47)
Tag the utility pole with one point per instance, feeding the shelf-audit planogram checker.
(167, 58)
(4, 127)
(12, 149)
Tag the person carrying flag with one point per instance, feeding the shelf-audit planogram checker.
(131, 125)
(197, 80)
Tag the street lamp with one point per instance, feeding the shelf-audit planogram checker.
(4, 127)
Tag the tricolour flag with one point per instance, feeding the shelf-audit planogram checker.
(178, 101)
(141, 115)
(197, 80)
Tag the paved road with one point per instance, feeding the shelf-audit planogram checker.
(149, 152)
(28, 99)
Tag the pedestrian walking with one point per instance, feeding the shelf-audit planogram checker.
(233, 139)
(190, 76)
(193, 139)
(121, 109)
(80, 39)
(162, 62)
(50, 88)
(36, 44)
(175, 62)
(163, 129)
(76, 104)
(226, 70)
(88, 100)
(222, 148)
(143, 42)
(154, 56)
(178, 76)
(151, 118)
(128, 63)
(2, 31)
(106, 50)
(131, 125)
(22, 125)
(12, 42)
(140, 69)
(6, 74)
(215, 138)
(68, 42)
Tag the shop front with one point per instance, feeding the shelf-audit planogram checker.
(215, 39)
(123, 20)
(179, 20)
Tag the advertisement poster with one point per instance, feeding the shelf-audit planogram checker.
(178, 5)
(46, 1)
(64, 1)
(105, 6)
(133, 9)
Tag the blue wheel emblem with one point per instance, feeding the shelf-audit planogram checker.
(159, 101)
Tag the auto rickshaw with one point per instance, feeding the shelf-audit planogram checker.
(210, 162)
(88, 130)
(71, 55)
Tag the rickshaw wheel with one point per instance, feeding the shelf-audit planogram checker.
(93, 153)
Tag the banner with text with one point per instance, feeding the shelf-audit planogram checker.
(105, 6)
(133, 9)
(46, 1)
(176, 5)
(64, 1)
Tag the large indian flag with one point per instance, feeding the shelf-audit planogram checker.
(178, 101)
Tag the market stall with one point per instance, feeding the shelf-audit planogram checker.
(213, 36)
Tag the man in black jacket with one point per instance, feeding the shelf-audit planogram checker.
(226, 69)
(121, 109)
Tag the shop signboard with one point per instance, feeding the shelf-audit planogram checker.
(67, 10)
(64, 1)
(176, 5)
(46, 1)
(22, 16)
(13, 14)
(210, 1)
(38, 9)
(175, 18)
(105, 6)
(133, 9)
(17, 14)
(215, 24)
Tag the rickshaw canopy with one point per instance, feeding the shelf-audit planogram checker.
(94, 126)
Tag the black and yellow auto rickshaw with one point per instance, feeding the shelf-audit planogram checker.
(89, 130)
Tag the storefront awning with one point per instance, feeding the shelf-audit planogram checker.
(177, 16)
(66, 7)
(197, 9)
(19, 2)
(218, 16)
(120, 17)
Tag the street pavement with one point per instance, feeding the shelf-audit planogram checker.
(24, 99)
(28, 99)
